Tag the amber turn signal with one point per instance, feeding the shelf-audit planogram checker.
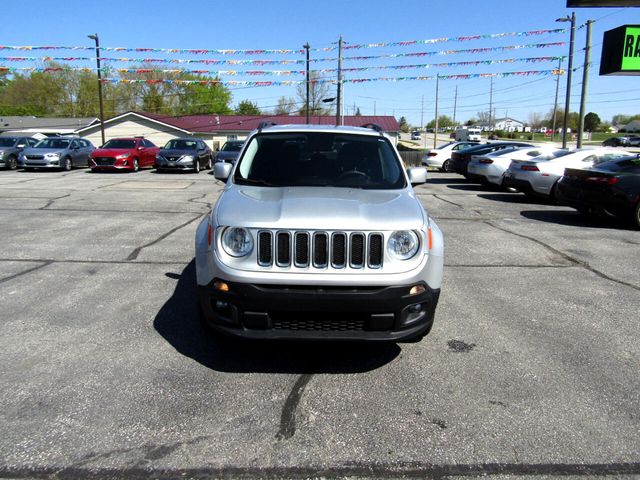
(416, 289)
(221, 286)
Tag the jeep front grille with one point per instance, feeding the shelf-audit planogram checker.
(303, 249)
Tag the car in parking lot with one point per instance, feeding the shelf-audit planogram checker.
(460, 160)
(440, 156)
(120, 154)
(318, 234)
(490, 167)
(617, 142)
(611, 188)
(11, 148)
(229, 151)
(184, 154)
(61, 153)
(538, 176)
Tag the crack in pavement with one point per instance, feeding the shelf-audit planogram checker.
(133, 255)
(288, 416)
(52, 201)
(29, 270)
(578, 262)
(448, 201)
(91, 210)
(97, 262)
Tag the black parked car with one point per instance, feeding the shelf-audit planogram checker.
(616, 142)
(184, 154)
(10, 149)
(460, 159)
(611, 188)
(230, 151)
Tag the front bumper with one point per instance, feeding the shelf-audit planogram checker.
(318, 313)
(174, 166)
(54, 164)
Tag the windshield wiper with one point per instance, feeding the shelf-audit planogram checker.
(251, 181)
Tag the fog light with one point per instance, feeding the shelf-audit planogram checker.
(221, 286)
(417, 308)
(221, 305)
(416, 289)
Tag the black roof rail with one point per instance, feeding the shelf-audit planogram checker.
(265, 124)
(373, 126)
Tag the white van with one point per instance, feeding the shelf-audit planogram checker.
(468, 134)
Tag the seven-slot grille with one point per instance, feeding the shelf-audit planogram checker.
(303, 249)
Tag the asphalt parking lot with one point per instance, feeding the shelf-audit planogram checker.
(531, 367)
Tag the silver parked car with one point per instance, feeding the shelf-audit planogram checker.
(318, 234)
(490, 167)
(539, 176)
(61, 153)
(11, 148)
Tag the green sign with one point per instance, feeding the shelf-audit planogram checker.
(621, 51)
(631, 51)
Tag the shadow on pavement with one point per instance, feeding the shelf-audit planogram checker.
(514, 197)
(443, 181)
(574, 219)
(178, 323)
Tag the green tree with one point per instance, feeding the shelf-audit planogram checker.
(404, 126)
(592, 122)
(246, 107)
(358, 114)
(444, 121)
(205, 98)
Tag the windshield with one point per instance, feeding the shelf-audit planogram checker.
(53, 143)
(7, 141)
(320, 159)
(181, 145)
(119, 143)
(232, 147)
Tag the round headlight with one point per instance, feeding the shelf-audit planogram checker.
(237, 241)
(403, 244)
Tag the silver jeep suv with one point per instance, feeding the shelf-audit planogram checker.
(318, 234)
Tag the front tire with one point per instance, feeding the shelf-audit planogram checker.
(12, 163)
(636, 216)
(67, 166)
(445, 166)
(196, 166)
(209, 164)
(136, 167)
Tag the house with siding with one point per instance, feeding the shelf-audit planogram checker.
(213, 129)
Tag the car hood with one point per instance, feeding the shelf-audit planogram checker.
(176, 153)
(110, 152)
(227, 155)
(42, 151)
(322, 208)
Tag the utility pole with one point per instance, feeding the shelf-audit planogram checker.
(422, 113)
(435, 131)
(491, 105)
(306, 47)
(555, 103)
(455, 105)
(97, 40)
(339, 95)
(374, 108)
(585, 77)
(567, 103)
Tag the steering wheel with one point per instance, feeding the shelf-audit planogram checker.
(355, 174)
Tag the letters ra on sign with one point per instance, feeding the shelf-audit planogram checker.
(621, 51)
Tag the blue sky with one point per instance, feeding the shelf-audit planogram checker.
(287, 24)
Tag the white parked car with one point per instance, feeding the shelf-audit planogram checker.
(439, 157)
(319, 234)
(539, 176)
(490, 168)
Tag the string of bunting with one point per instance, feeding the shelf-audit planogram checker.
(246, 83)
(205, 51)
(408, 43)
(280, 62)
(141, 71)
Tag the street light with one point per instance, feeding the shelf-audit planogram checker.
(567, 105)
(97, 40)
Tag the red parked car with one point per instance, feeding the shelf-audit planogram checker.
(124, 154)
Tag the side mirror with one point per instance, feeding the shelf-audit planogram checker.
(417, 175)
(222, 170)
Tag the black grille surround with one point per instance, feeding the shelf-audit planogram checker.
(104, 161)
(318, 250)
